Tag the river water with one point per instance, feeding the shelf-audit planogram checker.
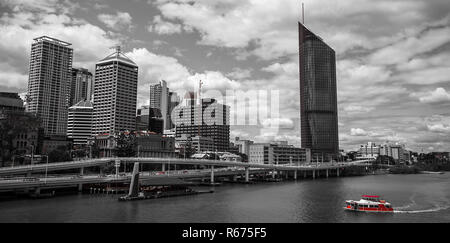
(416, 198)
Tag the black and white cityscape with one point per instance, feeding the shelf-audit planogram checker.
(249, 111)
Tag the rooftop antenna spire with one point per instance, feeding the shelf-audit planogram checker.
(200, 90)
(303, 13)
(117, 49)
(200, 83)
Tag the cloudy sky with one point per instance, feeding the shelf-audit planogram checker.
(393, 57)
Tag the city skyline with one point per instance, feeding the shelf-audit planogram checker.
(392, 82)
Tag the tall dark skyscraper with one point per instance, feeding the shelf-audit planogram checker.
(49, 81)
(318, 94)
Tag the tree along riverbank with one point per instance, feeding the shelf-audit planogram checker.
(418, 168)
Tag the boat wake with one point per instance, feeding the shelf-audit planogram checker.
(401, 209)
(408, 205)
(422, 211)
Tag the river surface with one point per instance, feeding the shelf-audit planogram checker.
(416, 198)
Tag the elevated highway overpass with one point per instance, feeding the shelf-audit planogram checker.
(10, 182)
(8, 171)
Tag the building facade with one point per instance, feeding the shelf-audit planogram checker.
(79, 122)
(159, 99)
(27, 133)
(155, 121)
(146, 144)
(142, 118)
(397, 151)
(10, 102)
(155, 146)
(49, 83)
(50, 143)
(195, 143)
(276, 153)
(243, 145)
(368, 151)
(318, 95)
(208, 119)
(82, 86)
(115, 94)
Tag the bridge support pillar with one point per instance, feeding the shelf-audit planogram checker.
(82, 171)
(273, 174)
(287, 174)
(327, 173)
(212, 174)
(295, 174)
(134, 184)
(29, 174)
(117, 165)
(247, 172)
(304, 174)
(37, 191)
(163, 168)
(337, 172)
(314, 174)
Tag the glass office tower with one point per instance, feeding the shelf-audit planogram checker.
(318, 95)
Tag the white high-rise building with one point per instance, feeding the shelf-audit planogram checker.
(115, 94)
(49, 83)
(79, 123)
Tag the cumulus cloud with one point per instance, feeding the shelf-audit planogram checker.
(438, 124)
(278, 122)
(164, 27)
(358, 132)
(154, 67)
(436, 96)
(358, 109)
(392, 56)
(239, 73)
(20, 28)
(47, 6)
(236, 24)
(118, 21)
(439, 128)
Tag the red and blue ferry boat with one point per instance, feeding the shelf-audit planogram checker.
(369, 203)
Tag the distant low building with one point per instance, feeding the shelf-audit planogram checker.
(50, 143)
(243, 145)
(147, 144)
(155, 145)
(10, 102)
(396, 151)
(278, 153)
(368, 151)
(23, 139)
(196, 143)
(222, 156)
